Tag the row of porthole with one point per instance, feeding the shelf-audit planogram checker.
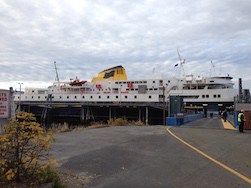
(207, 96)
(135, 97)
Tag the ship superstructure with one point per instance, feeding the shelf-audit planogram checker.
(112, 86)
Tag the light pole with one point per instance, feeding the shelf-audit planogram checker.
(119, 95)
(19, 97)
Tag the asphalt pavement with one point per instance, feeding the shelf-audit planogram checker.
(149, 156)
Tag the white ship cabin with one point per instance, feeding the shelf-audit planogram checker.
(112, 86)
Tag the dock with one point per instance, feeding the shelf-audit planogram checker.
(149, 156)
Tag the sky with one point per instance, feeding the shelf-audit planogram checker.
(85, 37)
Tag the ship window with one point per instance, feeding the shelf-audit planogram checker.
(67, 97)
(32, 97)
(144, 82)
(150, 96)
(45, 97)
(207, 96)
(153, 82)
(83, 97)
(120, 82)
(219, 96)
(117, 96)
(126, 97)
(140, 82)
(127, 89)
(91, 97)
(116, 82)
(108, 97)
(99, 97)
(75, 97)
(136, 82)
(40, 92)
(124, 82)
(33, 91)
(132, 82)
(135, 97)
(150, 89)
(168, 81)
(214, 96)
(136, 89)
(203, 96)
(211, 81)
(155, 89)
(39, 97)
(132, 89)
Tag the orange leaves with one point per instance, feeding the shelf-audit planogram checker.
(10, 174)
(24, 146)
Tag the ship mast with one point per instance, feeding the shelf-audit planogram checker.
(57, 78)
(213, 68)
(181, 64)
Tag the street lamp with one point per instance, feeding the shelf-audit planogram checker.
(20, 97)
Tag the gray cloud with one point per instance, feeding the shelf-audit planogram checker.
(86, 37)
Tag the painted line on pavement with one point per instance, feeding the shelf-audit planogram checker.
(212, 159)
(227, 125)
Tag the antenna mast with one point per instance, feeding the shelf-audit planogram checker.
(213, 67)
(57, 78)
(181, 63)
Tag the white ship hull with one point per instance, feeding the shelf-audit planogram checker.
(136, 91)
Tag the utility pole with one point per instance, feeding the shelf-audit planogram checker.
(164, 111)
(19, 108)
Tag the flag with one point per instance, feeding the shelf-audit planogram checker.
(176, 65)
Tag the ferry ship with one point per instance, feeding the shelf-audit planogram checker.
(112, 86)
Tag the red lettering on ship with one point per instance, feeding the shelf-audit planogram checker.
(3, 95)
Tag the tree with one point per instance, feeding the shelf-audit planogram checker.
(24, 149)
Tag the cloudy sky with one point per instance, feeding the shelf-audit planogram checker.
(85, 37)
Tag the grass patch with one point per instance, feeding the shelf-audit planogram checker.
(124, 122)
(57, 128)
(65, 127)
(97, 125)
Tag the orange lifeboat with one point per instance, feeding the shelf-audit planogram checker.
(77, 82)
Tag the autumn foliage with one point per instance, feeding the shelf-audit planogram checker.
(24, 150)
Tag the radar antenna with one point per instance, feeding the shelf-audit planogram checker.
(57, 78)
(181, 63)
